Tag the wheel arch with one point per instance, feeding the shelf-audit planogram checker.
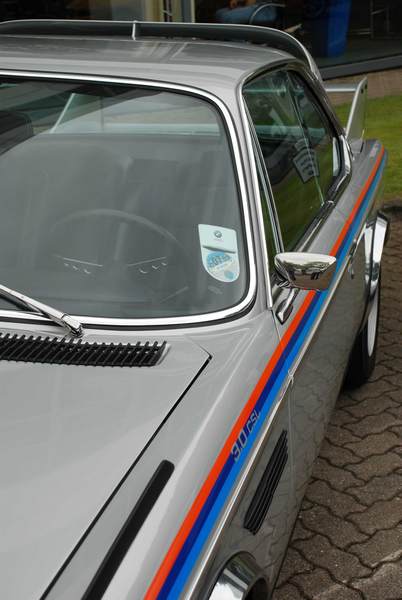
(240, 579)
(375, 238)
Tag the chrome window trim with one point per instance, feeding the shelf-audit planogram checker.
(204, 318)
(256, 187)
(266, 183)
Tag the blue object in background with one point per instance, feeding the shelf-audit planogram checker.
(257, 14)
(329, 27)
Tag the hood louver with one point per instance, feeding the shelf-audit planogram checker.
(35, 349)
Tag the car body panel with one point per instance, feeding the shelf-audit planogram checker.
(213, 404)
(214, 67)
(322, 358)
(245, 381)
(300, 330)
(69, 436)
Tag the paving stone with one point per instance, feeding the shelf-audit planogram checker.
(371, 406)
(340, 479)
(341, 533)
(393, 350)
(390, 337)
(396, 364)
(380, 465)
(372, 424)
(339, 436)
(337, 456)
(396, 411)
(396, 378)
(398, 430)
(381, 515)
(396, 395)
(378, 488)
(344, 400)
(287, 592)
(305, 505)
(372, 390)
(385, 583)
(294, 563)
(318, 584)
(341, 417)
(339, 592)
(339, 503)
(382, 546)
(342, 565)
(377, 443)
(380, 371)
(300, 532)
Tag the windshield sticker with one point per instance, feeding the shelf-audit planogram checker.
(219, 252)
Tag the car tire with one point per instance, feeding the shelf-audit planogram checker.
(363, 357)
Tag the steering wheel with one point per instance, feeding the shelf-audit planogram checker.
(130, 219)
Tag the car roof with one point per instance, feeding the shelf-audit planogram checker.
(201, 64)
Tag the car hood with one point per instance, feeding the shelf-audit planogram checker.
(69, 434)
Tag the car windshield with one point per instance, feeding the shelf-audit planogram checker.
(118, 201)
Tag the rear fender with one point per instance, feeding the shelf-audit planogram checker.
(375, 238)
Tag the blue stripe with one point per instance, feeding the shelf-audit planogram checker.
(224, 484)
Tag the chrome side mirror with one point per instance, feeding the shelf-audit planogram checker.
(304, 270)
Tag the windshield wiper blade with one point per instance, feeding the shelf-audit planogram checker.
(63, 319)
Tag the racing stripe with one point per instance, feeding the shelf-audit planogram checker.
(201, 518)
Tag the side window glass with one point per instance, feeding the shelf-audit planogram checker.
(290, 161)
(321, 136)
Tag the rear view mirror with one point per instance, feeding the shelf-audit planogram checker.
(304, 270)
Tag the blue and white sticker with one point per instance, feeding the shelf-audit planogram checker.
(219, 252)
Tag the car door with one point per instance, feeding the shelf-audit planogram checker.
(301, 152)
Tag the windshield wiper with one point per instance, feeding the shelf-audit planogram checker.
(63, 319)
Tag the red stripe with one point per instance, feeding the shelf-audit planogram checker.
(203, 494)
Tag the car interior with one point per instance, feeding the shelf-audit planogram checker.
(107, 225)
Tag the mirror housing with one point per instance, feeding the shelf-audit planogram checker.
(305, 270)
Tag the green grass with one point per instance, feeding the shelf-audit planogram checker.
(384, 122)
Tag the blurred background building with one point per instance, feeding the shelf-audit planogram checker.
(345, 36)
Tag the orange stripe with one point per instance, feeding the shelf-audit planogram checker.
(206, 488)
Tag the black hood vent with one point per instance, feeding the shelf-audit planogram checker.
(55, 351)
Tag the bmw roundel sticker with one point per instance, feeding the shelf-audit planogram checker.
(219, 252)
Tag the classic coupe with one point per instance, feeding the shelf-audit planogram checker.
(190, 269)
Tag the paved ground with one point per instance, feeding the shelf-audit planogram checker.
(347, 544)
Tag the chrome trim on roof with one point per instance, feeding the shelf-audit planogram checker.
(235, 147)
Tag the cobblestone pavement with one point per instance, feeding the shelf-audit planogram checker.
(347, 544)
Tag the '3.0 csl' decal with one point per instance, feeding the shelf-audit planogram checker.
(243, 436)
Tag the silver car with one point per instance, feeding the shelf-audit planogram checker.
(190, 262)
